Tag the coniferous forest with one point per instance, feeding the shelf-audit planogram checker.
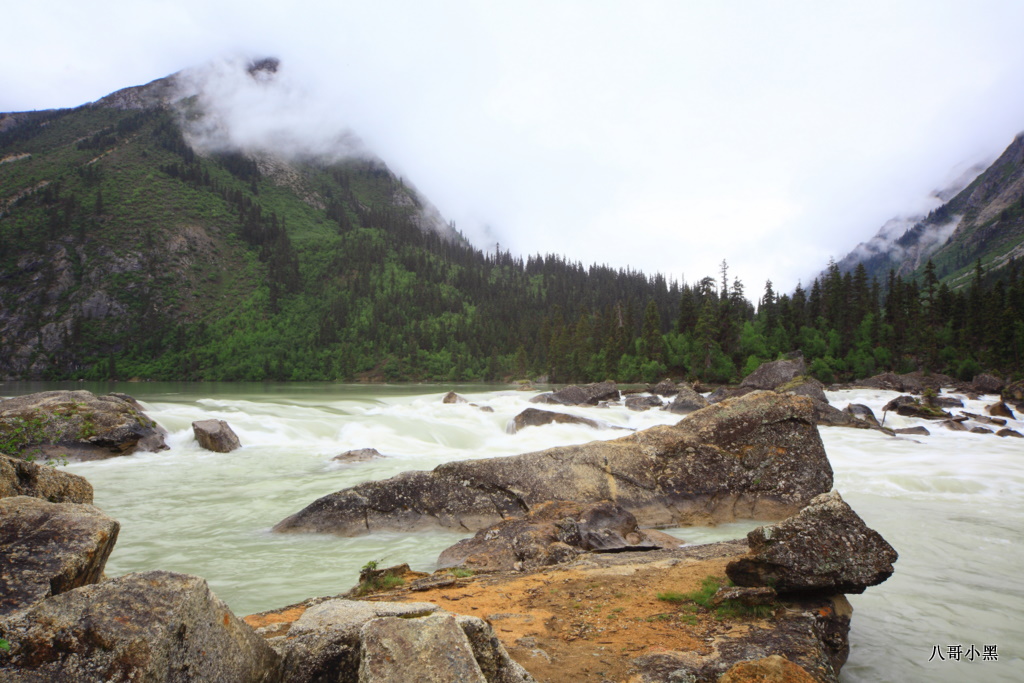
(125, 253)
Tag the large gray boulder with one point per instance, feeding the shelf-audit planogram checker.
(533, 417)
(49, 548)
(804, 385)
(987, 384)
(23, 478)
(77, 425)
(550, 534)
(826, 549)
(324, 643)
(153, 626)
(773, 374)
(686, 401)
(215, 435)
(759, 457)
(588, 394)
(429, 649)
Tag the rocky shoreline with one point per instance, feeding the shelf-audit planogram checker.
(580, 589)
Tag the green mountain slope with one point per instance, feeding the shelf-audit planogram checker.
(984, 221)
(125, 252)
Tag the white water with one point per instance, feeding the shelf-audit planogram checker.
(952, 504)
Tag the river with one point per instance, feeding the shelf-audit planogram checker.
(952, 504)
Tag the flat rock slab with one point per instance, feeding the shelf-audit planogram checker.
(153, 626)
(23, 478)
(49, 548)
(216, 435)
(756, 457)
(588, 394)
(825, 548)
(79, 425)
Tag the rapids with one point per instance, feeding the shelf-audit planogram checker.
(952, 504)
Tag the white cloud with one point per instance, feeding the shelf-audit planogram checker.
(662, 135)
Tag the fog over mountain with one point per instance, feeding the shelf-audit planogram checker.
(665, 137)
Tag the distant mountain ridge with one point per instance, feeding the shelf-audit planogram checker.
(141, 237)
(982, 219)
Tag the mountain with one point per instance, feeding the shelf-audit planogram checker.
(982, 219)
(150, 235)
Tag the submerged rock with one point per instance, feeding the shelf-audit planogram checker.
(215, 435)
(23, 478)
(825, 548)
(77, 425)
(549, 534)
(153, 626)
(1010, 432)
(862, 412)
(49, 548)
(916, 431)
(533, 417)
(452, 397)
(359, 455)
(999, 409)
(759, 456)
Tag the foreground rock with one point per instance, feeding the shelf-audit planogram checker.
(532, 417)
(430, 649)
(550, 534)
(22, 478)
(154, 626)
(216, 436)
(759, 456)
(824, 549)
(77, 425)
(49, 548)
(588, 394)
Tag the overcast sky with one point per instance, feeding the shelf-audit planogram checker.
(666, 136)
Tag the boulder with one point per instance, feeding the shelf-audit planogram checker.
(811, 634)
(665, 387)
(987, 384)
(452, 397)
(908, 406)
(359, 455)
(981, 430)
(589, 394)
(997, 421)
(323, 644)
(830, 416)
(722, 393)
(953, 426)
(775, 373)
(215, 435)
(804, 386)
(77, 425)
(1010, 432)
(23, 478)
(888, 381)
(862, 413)
(945, 402)
(916, 431)
(153, 626)
(686, 401)
(826, 548)
(532, 417)
(642, 403)
(1014, 392)
(759, 456)
(1000, 409)
(49, 548)
(429, 649)
(551, 533)
(490, 654)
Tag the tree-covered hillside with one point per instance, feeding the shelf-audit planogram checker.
(128, 252)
